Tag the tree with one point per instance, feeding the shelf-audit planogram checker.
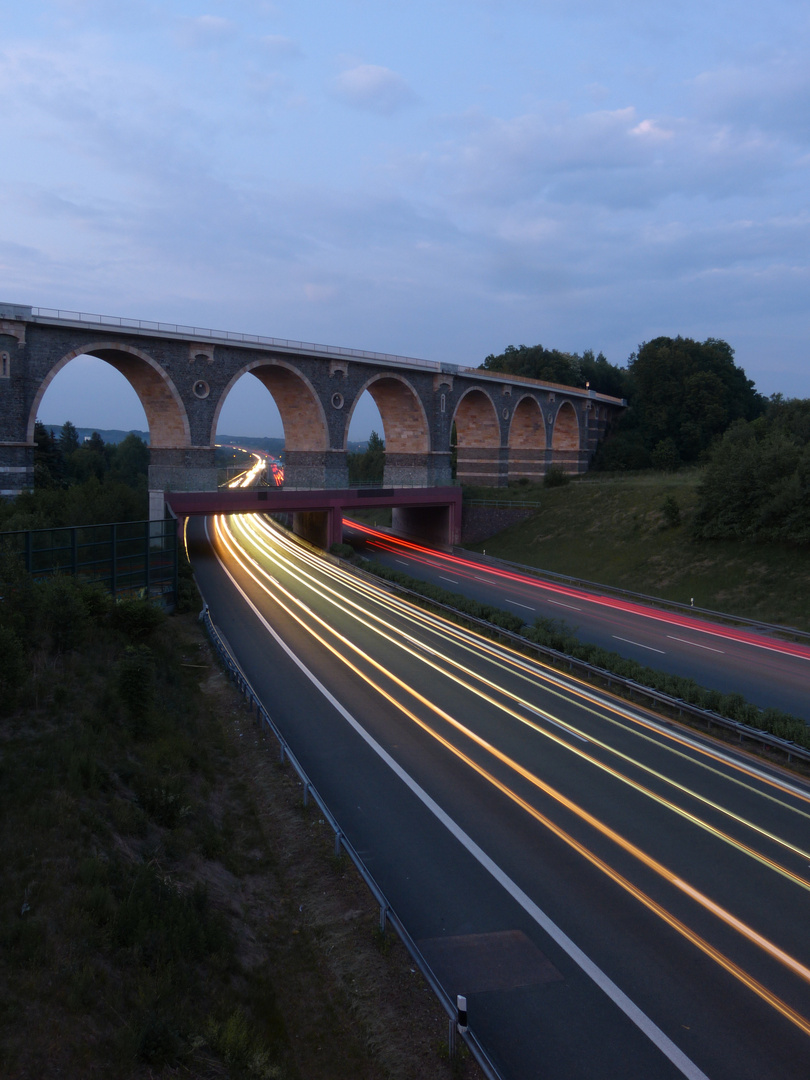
(757, 482)
(47, 459)
(689, 392)
(68, 439)
(567, 369)
(368, 467)
(130, 461)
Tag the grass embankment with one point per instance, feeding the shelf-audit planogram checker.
(168, 907)
(615, 530)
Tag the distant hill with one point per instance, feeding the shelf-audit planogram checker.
(273, 446)
(276, 446)
(254, 442)
(109, 435)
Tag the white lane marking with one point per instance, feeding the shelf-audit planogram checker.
(667, 1047)
(638, 643)
(486, 579)
(401, 561)
(518, 604)
(695, 643)
(562, 727)
(559, 603)
(451, 579)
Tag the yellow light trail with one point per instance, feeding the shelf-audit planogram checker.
(531, 672)
(771, 949)
(245, 525)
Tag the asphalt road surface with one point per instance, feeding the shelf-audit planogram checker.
(767, 671)
(617, 897)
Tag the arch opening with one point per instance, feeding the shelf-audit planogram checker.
(402, 417)
(160, 402)
(91, 393)
(566, 429)
(478, 440)
(527, 441)
(297, 412)
(365, 418)
(295, 408)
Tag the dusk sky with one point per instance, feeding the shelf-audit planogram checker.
(436, 179)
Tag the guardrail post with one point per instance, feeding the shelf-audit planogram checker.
(338, 838)
(306, 794)
(383, 918)
(461, 1013)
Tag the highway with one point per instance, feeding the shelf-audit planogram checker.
(767, 671)
(615, 896)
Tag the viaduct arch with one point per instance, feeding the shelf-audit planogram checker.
(505, 426)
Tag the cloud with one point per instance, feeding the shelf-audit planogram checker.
(609, 158)
(377, 89)
(280, 47)
(773, 95)
(319, 294)
(204, 31)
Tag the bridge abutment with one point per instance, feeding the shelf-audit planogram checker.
(435, 525)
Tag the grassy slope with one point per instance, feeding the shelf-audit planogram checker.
(610, 529)
(167, 905)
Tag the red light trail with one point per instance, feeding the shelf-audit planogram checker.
(420, 554)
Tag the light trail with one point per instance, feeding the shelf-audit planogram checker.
(413, 615)
(659, 729)
(424, 555)
(775, 952)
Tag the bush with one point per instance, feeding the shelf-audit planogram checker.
(671, 511)
(137, 619)
(556, 477)
(13, 668)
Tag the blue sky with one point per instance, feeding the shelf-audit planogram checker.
(438, 179)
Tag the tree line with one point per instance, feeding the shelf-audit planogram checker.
(689, 404)
(81, 483)
(681, 395)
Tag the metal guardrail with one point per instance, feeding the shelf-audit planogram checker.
(387, 913)
(502, 504)
(683, 708)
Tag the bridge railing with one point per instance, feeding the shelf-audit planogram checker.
(230, 336)
(309, 791)
(200, 333)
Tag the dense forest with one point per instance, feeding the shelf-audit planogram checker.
(81, 483)
(756, 484)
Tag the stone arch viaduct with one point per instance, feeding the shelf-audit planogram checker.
(507, 427)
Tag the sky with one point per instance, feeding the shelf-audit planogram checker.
(439, 179)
